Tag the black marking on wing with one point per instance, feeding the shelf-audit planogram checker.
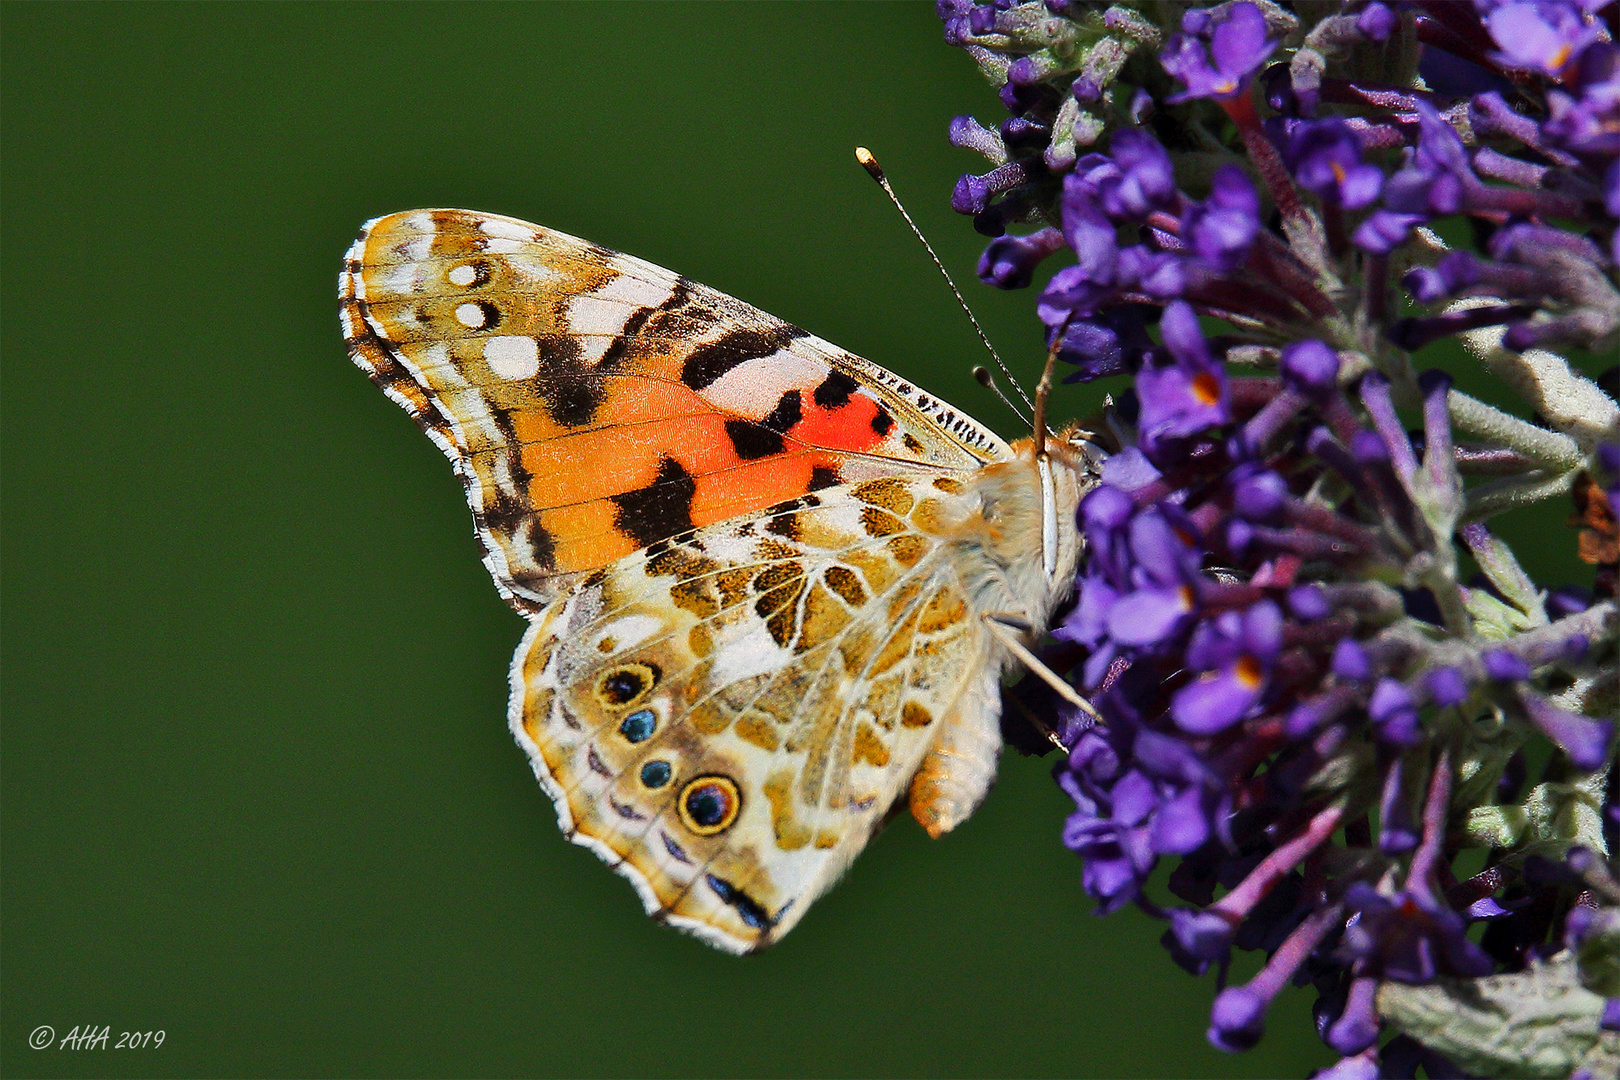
(835, 390)
(659, 510)
(752, 441)
(708, 363)
(756, 440)
(638, 322)
(748, 909)
(571, 391)
(823, 476)
(789, 410)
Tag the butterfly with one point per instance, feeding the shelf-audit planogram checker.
(768, 583)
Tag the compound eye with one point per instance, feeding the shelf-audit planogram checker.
(709, 804)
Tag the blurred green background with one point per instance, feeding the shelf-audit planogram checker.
(258, 789)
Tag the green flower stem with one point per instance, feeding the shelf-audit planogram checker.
(1489, 499)
(1550, 448)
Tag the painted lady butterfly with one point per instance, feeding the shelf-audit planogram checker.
(757, 568)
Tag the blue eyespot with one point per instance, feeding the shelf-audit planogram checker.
(639, 725)
(656, 773)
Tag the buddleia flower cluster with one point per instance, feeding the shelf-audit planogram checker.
(1340, 723)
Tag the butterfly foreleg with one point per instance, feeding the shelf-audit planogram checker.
(1006, 627)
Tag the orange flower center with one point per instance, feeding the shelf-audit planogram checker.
(1249, 672)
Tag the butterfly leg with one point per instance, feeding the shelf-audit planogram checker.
(1005, 629)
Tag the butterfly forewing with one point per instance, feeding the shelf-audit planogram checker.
(594, 403)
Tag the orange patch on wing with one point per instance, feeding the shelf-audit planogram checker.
(586, 536)
(848, 427)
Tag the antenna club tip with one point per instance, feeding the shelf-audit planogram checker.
(868, 162)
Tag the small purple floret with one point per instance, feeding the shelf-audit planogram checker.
(1310, 366)
(1221, 66)
(1326, 159)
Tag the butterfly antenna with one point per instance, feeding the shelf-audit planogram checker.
(982, 376)
(1043, 391)
(875, 171)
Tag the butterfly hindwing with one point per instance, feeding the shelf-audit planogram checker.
(728, 715)
(593, 403)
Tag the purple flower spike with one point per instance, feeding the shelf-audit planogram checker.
(1326, 159)
(1453, 273)
(1222, 229)
(1160, 608)
(1309, 603)
(1258, 496)
(1439, 174)
(1351, 662)
(1198, 939)
(1410, 937)
(1235, 652)
(973, 193)
(1503, 666)
(1363, 1066)
(1142, 180)
(1447, 686)
(1385, 230)
(1108, 344)
(1221, 69)
(1357, 1027)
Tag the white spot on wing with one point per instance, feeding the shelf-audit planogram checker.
(512, 357)
(600, 316)
(465, 274)
(636, 291)
(470, 315)
(631, 630)
(434, 358)
(752, 653)
(511, 230)
(502, 245)
(404, 278)
(592, 349)
(753, 389)
(593, 315)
